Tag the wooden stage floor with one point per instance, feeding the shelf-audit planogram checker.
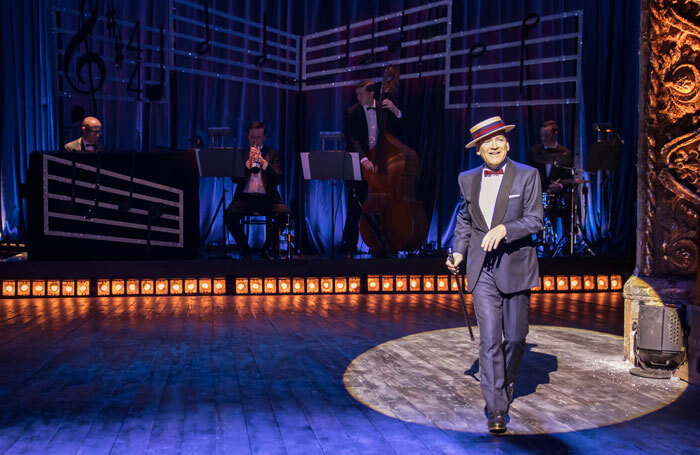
(320, 374)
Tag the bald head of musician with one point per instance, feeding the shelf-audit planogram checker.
(88, 142)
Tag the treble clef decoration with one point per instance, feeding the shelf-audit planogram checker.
(87, 58)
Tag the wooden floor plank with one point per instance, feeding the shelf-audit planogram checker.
(249, 374)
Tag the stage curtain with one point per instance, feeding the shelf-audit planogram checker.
(610, 66)
(28, 79)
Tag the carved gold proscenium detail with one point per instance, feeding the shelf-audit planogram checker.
(669, 189)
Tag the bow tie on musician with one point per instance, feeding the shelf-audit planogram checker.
(88, 142)
(361, 132)
(257, 194)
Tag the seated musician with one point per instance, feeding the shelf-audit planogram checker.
(90, 132)
(257, 193)
(554, 163)
(361, 134)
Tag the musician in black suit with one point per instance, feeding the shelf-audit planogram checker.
(361, 131)
(257, 193)
(554, 162)
(88, 142)
(501, 209)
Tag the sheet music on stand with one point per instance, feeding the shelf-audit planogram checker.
(220, 162)
(332, 165)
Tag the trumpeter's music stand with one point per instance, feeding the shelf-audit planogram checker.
(333, 165)
(220, 162)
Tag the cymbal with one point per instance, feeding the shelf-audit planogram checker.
(544, 158)
(574, 181)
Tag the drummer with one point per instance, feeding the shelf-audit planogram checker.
(554, 163)
(552, 159)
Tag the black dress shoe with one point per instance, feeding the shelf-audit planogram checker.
(497, 422)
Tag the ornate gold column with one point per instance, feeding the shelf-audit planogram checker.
(668, 169)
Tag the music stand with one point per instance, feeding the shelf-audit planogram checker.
(221, 162)
(332, 165)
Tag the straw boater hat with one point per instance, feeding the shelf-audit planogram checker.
(487, 128)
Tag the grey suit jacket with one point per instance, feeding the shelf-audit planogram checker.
(77, 146)
(519, 209)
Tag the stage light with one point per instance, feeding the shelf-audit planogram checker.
(241, 285)
(312, 285)
(161, 286)
(270, 286)
(341, 285)
(537, 288)
(548, 283)
(589, 282)
(354, 284)
(602, 281)
(204, 286)
(576, 283)
(117, 287)
(284, 285)
(147, 287)
(442, 283)
(562, 283)
(615, 282)
(23, 287)
(102, 287)
(53, 288)
(298, 285)
(373, 283)
(191, 286)
(453, 283)
(132, 287)
(414, 283)
(38, 288)
(256, 285)
(8, 288)
(176, 286)
(326, 285)
(429, 283)
(387, 283)
(83, 287)
(219, 285)
(401, 283)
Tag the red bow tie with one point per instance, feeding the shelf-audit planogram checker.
(488, 172)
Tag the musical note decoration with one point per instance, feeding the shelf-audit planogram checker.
(475, 51)
(529, 22)
(203, 47)
(88, 58)
(262, 58)
(156, 91)
(366, 59)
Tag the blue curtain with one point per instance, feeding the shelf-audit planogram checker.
(28, 102)
(609, 94)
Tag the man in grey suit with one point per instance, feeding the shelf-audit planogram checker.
(90, 132)
(500, 210)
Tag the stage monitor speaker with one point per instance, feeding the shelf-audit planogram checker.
(659, 340)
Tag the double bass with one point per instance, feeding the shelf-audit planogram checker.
(392, 218)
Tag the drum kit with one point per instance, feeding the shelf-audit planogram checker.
(561, 203)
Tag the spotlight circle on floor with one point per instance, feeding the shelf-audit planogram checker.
(569, 380)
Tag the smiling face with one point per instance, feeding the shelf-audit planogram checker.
(493, 150)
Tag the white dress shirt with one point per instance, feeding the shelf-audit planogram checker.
(489, 191)
(372, 128)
